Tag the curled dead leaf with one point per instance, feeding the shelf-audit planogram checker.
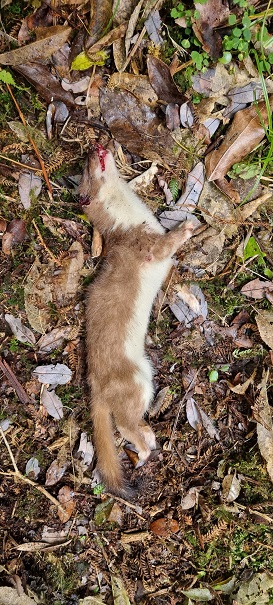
(245, 132)
(55, 472)
(15, 234)
(256, 288)
(264, 321)
(162, 82)
(39, 50)
(66, 499)
(164, 527)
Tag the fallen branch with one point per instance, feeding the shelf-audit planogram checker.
(18, 475)
(14, 383)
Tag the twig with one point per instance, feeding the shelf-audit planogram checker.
(133, 506)
(32, 142)
(20, 391)
(50, 254)
(5, 157)
(7, 197)
(18, 475)
(134, 49)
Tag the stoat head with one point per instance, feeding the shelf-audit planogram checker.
(99, 168)
(99, 181)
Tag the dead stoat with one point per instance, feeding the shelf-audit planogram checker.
(138, 258)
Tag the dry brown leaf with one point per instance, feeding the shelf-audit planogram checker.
(15, 234)
(205, 250)
(52, 403)
(55, 338)
(264, 321)
(21, 332)
(137, 127)
(39, 50)
(123, 12)
(144, 180)
(138, 85)
(262, 412)
(190, 499)
(231, 488)
(243, 213)
(256, 288)
(46, 84)
(38, 294)
(211, 14)
(10, 596)
(66, 499)
(44, 285)
(162, 82)
(100, 16)
(29, 186)
(56, 471)
(115, 34)
(66, 283)
(132, 25)
(216, 209)
(116, 515)
(164, 527)
(241, 389)
(245, 132)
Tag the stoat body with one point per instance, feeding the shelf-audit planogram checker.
(138, 258)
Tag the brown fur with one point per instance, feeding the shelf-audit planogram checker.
(118, 383)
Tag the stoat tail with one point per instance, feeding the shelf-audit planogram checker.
(108, 463)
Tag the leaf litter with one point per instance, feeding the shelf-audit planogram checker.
(206, 487)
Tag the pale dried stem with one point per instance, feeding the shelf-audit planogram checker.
(18, 475)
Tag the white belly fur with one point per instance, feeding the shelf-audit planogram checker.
(151, 277)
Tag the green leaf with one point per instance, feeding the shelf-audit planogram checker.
(6, 77)
(213, 376)
(232, 19)
(252, 248)
(226, 58)
(268, 272)
(247, 34)
(199, 594)
(174, 188)
(246, 21)
(197, 59)
(82, 61)
(185, 43)
(237, 32)
(98, 489)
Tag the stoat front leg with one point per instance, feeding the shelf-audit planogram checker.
(166, 245)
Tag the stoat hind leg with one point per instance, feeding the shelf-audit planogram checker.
(134, 429)
(148, 434)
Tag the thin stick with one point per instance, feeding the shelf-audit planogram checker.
(50, 254)
(18, 475)
(32, 142)
(5, 157)
(133, 506)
